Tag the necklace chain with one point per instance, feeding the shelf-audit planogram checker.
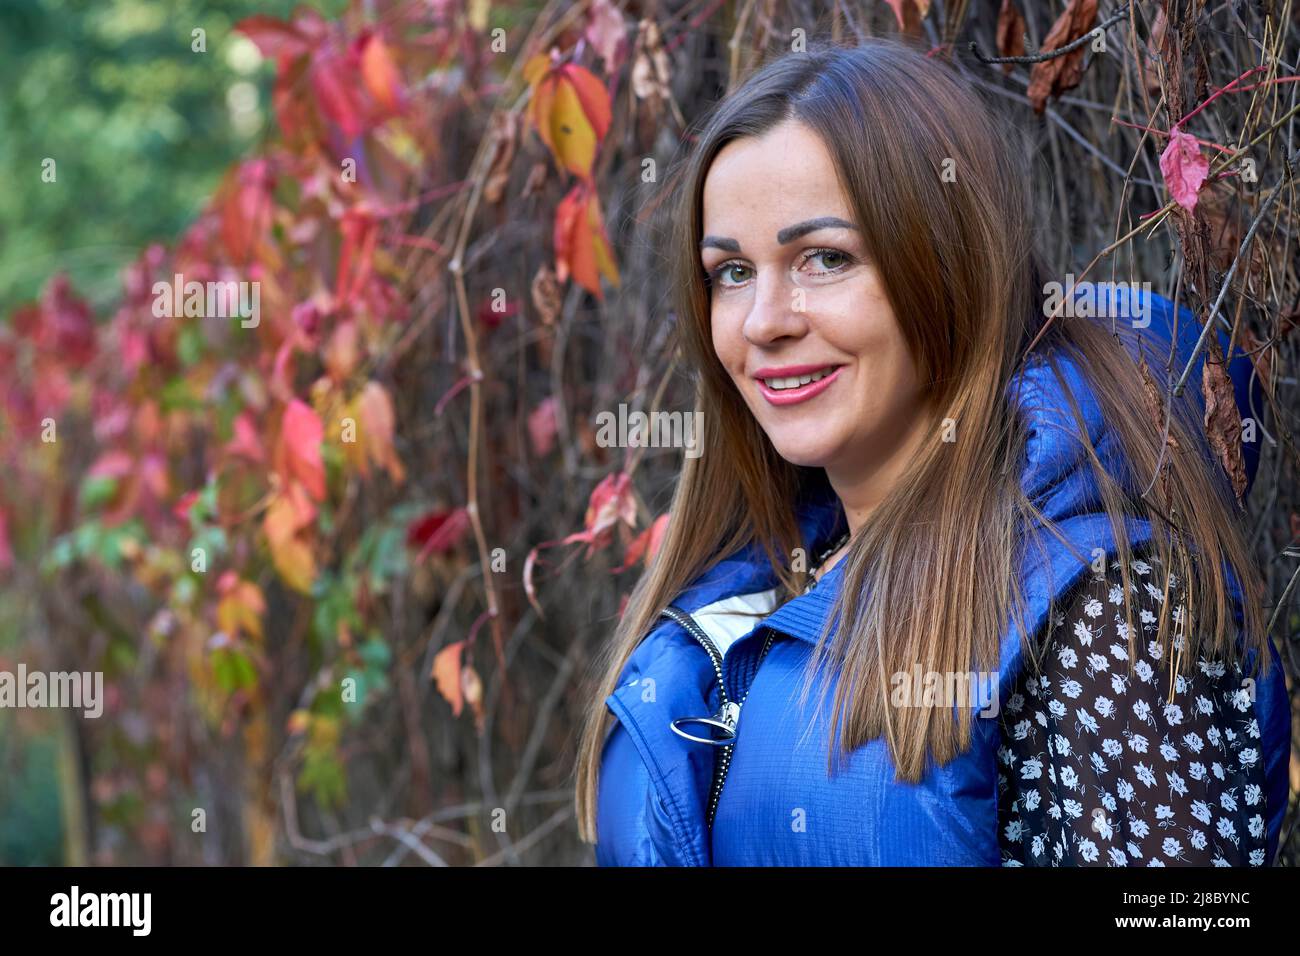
(839, 543)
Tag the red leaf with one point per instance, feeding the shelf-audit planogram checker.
(301, 434)
(542, 427)
(112, 464)
(437, 531)
(1184, 167)
(610, 503)
(183, 505)
(335, 93)
(245, 205)
(246, 441)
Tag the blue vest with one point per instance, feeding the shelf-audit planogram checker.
(777, 805)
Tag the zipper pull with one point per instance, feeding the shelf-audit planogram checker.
(721, 726)
(730, 715)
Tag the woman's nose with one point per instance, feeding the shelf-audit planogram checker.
(779, 309)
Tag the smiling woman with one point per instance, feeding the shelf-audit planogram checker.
(985, 492)
(800, 316)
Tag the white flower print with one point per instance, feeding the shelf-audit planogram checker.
(1083, 631)
(1092, 791)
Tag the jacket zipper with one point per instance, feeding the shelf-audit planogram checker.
(730, 711)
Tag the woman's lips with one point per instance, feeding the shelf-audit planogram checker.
(792, 396)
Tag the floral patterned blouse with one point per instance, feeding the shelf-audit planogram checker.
(1100, 766)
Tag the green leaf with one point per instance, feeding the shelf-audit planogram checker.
(96, 492)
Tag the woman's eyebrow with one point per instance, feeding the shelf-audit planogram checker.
(788, 234)
(791, 233)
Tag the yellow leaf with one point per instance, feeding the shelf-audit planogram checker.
(293, 560)
(571, 111)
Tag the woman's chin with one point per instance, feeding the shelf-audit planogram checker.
(796, 452)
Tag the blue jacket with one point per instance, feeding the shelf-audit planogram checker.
(655, 786)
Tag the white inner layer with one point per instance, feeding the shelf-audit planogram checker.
(730, 619)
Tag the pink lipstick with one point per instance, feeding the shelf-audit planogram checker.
(796, 394)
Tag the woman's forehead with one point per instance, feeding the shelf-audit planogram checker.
(770, 182)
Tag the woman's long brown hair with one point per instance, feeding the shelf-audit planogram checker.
(960, 265)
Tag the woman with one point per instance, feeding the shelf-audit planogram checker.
(1030, 646)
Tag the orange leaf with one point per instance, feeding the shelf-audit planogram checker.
(645, 545)
(241, 607)
(342, 351)
(289, 512)
(375, 411)
(446, 674)
(581, 244)
(380, 75)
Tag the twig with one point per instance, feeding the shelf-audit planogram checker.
(1042, 57)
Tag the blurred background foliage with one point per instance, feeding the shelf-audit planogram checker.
(141, 125)
(382, 657)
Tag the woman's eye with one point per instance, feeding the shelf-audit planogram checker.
(832, 259)
(725, 274)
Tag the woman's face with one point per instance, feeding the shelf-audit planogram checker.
(793, 297)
